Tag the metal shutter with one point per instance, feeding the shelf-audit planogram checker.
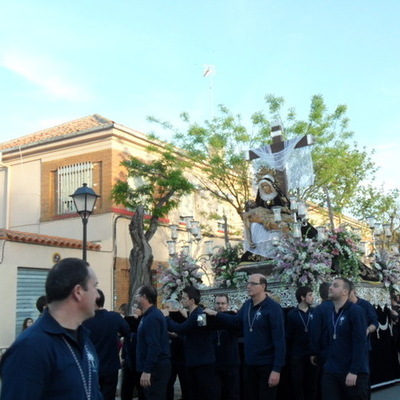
(30, 285)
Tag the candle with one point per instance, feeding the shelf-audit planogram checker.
(174, 231)
(302, 209)
(277, 213)
(293, 204)
(296, 230)
(275, 237)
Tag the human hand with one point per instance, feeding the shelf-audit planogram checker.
(351, 379)
(274, 378)
(145, 379)
(183, 312)
(165, 313)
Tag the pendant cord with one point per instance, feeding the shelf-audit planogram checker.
(87, 384)
(334, 323)
(302, 320)
(254, 317)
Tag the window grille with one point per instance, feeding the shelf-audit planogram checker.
(70, 178)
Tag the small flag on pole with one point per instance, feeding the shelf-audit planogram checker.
(208, 70)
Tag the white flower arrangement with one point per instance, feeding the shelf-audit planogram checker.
(388, 266)
(224, 263)
(301, 262)
(182, 271)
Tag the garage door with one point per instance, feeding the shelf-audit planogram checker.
(30, 285)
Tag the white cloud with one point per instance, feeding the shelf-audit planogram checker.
(49, 75)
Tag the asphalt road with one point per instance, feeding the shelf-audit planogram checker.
(387, 393)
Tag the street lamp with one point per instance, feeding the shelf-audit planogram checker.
(382, 236)
(193, 234)
(84, 201)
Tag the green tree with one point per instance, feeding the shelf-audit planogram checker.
(371, 200)
(339, 165)
(219, 146)
(385, 207)
(160, 183)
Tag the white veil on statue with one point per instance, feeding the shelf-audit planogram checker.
(297, 163)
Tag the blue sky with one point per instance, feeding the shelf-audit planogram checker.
(127, 59)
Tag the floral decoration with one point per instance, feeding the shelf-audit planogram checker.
(301, 262)
(182, 271)
(224, 263)
(343, 245)
(310, 262)
(388, 266)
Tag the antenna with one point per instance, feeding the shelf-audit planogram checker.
(209, 71)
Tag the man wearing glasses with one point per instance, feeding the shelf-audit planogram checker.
(261, 319)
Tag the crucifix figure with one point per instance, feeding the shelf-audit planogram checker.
(292, 164)
(290, 159)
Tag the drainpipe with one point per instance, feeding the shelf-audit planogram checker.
(7, 192)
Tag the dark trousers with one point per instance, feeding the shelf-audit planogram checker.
(228, 382)
(159, 381)
(256, 383)
(177, 369)
(108, 385)
(202, 382)
(320, 371)
(303, 376)
(334, 387)
(130, 381)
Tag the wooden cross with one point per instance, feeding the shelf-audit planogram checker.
(278, 144)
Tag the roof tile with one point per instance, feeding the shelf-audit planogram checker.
(78, 125)
(45, 240)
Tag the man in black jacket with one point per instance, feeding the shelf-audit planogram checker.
(106, 329)
(198, 345)
(298, 329)
(227, 355)
(55, 358)
(152, 347)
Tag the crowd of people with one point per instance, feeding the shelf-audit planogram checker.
(258, 352)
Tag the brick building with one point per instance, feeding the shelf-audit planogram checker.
(39, 225)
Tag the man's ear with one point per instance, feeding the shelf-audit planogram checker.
(77, 292)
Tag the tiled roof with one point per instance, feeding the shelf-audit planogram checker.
(44, 240)
(79, 125)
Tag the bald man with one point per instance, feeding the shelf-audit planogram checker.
(261, 319)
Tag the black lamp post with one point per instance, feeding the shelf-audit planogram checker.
(84, 201)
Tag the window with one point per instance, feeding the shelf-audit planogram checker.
(221, 226)
(70, 178)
